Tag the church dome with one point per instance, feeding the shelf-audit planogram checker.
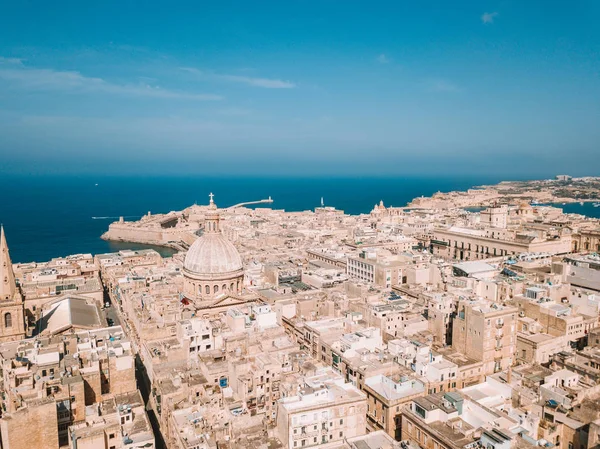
(525, 205)
(212, 254)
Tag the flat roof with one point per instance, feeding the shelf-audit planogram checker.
(474, 267)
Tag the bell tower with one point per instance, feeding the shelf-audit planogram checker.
(12, 316)
(211, 220)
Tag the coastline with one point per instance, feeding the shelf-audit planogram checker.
(174, 231)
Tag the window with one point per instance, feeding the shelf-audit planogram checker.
(111, 436)
(7, 320)
(419, 410)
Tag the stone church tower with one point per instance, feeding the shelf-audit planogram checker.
(12, 317)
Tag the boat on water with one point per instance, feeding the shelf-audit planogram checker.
(596, 204)
(581, 203)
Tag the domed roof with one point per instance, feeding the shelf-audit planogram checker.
(525, 205)
(212, 254)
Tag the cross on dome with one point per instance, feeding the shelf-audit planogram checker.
(211, 195)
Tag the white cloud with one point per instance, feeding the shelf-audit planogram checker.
(383, 59)
(488, 17)
(267, 83)
(14, 72)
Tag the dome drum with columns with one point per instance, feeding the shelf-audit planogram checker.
(213, 266)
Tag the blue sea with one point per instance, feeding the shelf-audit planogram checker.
(52, 216)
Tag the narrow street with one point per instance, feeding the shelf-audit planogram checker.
(143, 384)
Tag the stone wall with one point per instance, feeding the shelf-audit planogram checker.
(32, 427)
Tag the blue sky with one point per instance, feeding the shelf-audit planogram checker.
(300, 87)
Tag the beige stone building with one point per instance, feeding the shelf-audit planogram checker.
(31, 427)
(386, 396)
(46, 281)
(324, 410)
(486, 332)
(380, 271)
(119, 422)
(56, 378)
(538, 348)
(464, 243)
(555, 319)
(586, 240)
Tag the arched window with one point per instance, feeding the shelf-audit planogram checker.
(7, 320)
(224, 287)
(216, 289)
(207, 289)
(232, 285)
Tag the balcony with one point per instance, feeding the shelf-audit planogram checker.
(306, 434)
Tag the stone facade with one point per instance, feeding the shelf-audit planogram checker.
(12, 316)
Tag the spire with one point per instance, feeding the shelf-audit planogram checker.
(211, 221)
(8, 286)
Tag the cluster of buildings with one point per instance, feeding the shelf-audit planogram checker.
(433, 328)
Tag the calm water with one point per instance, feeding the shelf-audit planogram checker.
(51, 216)
(587, 209)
